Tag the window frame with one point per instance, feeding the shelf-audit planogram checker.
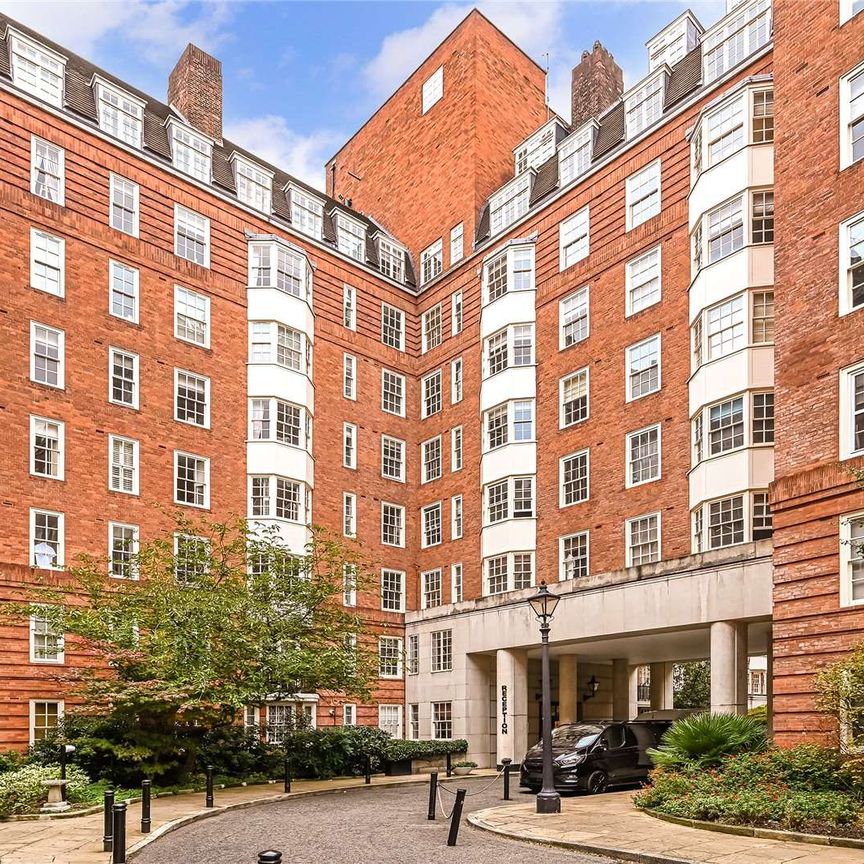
(59, 659)
(61, 170)
(580, 222)
(180, 210)
(137, 114)
(177, 373)
(627, 538)
(846, 118)
(628, 366)
(61, 268)
(432, 262)
(846, 557)
(16, 38)
(136, 289)
(632, 183)
(134, 405)
(400, 508)
(845, 269)
(562, 498)
(402, 588)
(31, 727)
(402, 399)
(629, 483)
(401, 331)
(60, 557)
(562, 561)
(629, 285)
(847, 413)
(579, 304)
(61, 358)
(349, 376)
(457, 382)
(430, 508)
(61, 448)
(136, 465)
(562, 386)
(432, 90)
(206, 460)
(114, 181)
(136, 542)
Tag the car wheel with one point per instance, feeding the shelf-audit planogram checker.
(597, 782)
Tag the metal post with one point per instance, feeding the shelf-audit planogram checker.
(449, 765)
(456, 817)
(368, 779)
(118, 850)
(433, 791)
(548, 800)
(108, 827)
(208, 796)
(63, 771)
(145, 806)
(506, 764)
(270, 857)
(287, 783)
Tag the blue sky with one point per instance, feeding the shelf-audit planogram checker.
(302, 76)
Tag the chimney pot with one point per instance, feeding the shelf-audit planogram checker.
(195, 90)
(596, 83)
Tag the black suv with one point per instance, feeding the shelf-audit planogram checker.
(591, 757)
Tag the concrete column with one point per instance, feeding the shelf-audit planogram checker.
(729, 667)
(620, 690)
(511, 698)
(769, 682)
(478, 725)
(633, 692)
(568, 688)
(661, 686)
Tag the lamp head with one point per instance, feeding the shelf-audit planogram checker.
(543, 603)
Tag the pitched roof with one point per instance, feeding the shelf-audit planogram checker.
(80, 98)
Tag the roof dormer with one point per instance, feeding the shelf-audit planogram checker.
(539, 146)
(191, 152)
(120, 113)
(643, 104)
(36, 69)
(675, 40)
(576, 151)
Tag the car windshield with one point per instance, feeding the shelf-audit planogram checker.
(576, 736)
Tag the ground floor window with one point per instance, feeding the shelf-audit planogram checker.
(44, 716)
(285, 717)
(442, 719)
(390, 719)
(414, 722)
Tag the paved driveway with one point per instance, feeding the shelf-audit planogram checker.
(365, 826)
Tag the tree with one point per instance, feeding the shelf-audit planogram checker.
(224, 619)
(840, 693)
(691, 685)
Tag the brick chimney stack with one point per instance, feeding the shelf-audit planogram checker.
(597, 82)
(195, 90)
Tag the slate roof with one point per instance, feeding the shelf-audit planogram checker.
(685, 79)
(80, 99)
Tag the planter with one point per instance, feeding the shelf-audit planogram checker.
(397, 768)
(462, 772)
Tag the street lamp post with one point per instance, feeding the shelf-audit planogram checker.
(543, 603)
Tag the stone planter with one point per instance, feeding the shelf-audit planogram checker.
(462, 772)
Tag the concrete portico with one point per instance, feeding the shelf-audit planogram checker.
(601, 634)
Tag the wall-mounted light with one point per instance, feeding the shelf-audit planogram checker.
(593, 686)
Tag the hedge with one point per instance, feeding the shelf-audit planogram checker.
(396, 750)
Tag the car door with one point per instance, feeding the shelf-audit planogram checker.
(616, 756)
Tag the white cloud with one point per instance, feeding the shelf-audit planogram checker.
(270, 137)
(534, 26)
(159, 30)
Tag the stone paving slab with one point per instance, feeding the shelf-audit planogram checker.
(610, 825)
(78, 840)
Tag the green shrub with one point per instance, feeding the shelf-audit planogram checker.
(337, 751)
(22, 791)
(396, 749)
(465, 763)
(239, 753)
(704, 739)
(11, 760)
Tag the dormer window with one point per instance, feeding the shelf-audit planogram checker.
(350, 237)
(674, 41)
(120, 114)
(37, 69)
(510, 203)
(540, 147)
(645, 104)
(392, 259)
(734, 38)
(574, 155)
(254, 184)
(191, 153)
(306, 213)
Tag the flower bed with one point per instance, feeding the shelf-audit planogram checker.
(806, 789)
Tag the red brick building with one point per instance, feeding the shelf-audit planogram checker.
(562, 369)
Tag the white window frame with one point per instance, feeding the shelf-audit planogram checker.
(847, 556)
(424, 544)
(61, 447)
(390, 439)
(847, 417)
(643, 105)
(397, 708)
(562, 562)
(431, 262)
(402, 586)
(510, 340)
(844, 268)
(60, 659)
(632, 184)
(349, 714)
(259, 179)
(177, 373)
(456, 313)
(562, 503)
(136, 540)
(402, 526)
(61, 705)
(562, 385)
(60, 557)
(423, 407)
(61, 170)
(738, 21)
(576, 150)
(183, 139)
(510, 203)
(627, 366)
(402, 400)
(631, 284)
(399, 662)
(457, 448)
(206, 460)
(183, 212)
(349, 514)
(627, 523)
(576, 231)
(136, 465)
(349, 306)
(61, 360)
(312, 216)
(847, 11)
(349, 377)
(508, 256)
(113, 183)
(391, 259)
(349, 437)
(510, 426)
(580, 302)
(457, 243)
(457, 582)
(431, 335)
(136, 291)
(401, 332)
(349, 585)
(457, 381)
(136, 378)
(61, 256)
(441, 651)
(432, 91)
(179, 290)
(628, 462)
(19, 44)
(132, 109)
(457, 517)
(431, 443)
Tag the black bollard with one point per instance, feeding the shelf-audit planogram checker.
(108, 825)
(287, 784)
(208, 795)
(368, 779)
(145, 806)
(506, 764)
(456, 817)
(433, 791)
(449, 766)
(270, 857)
(118, 846)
